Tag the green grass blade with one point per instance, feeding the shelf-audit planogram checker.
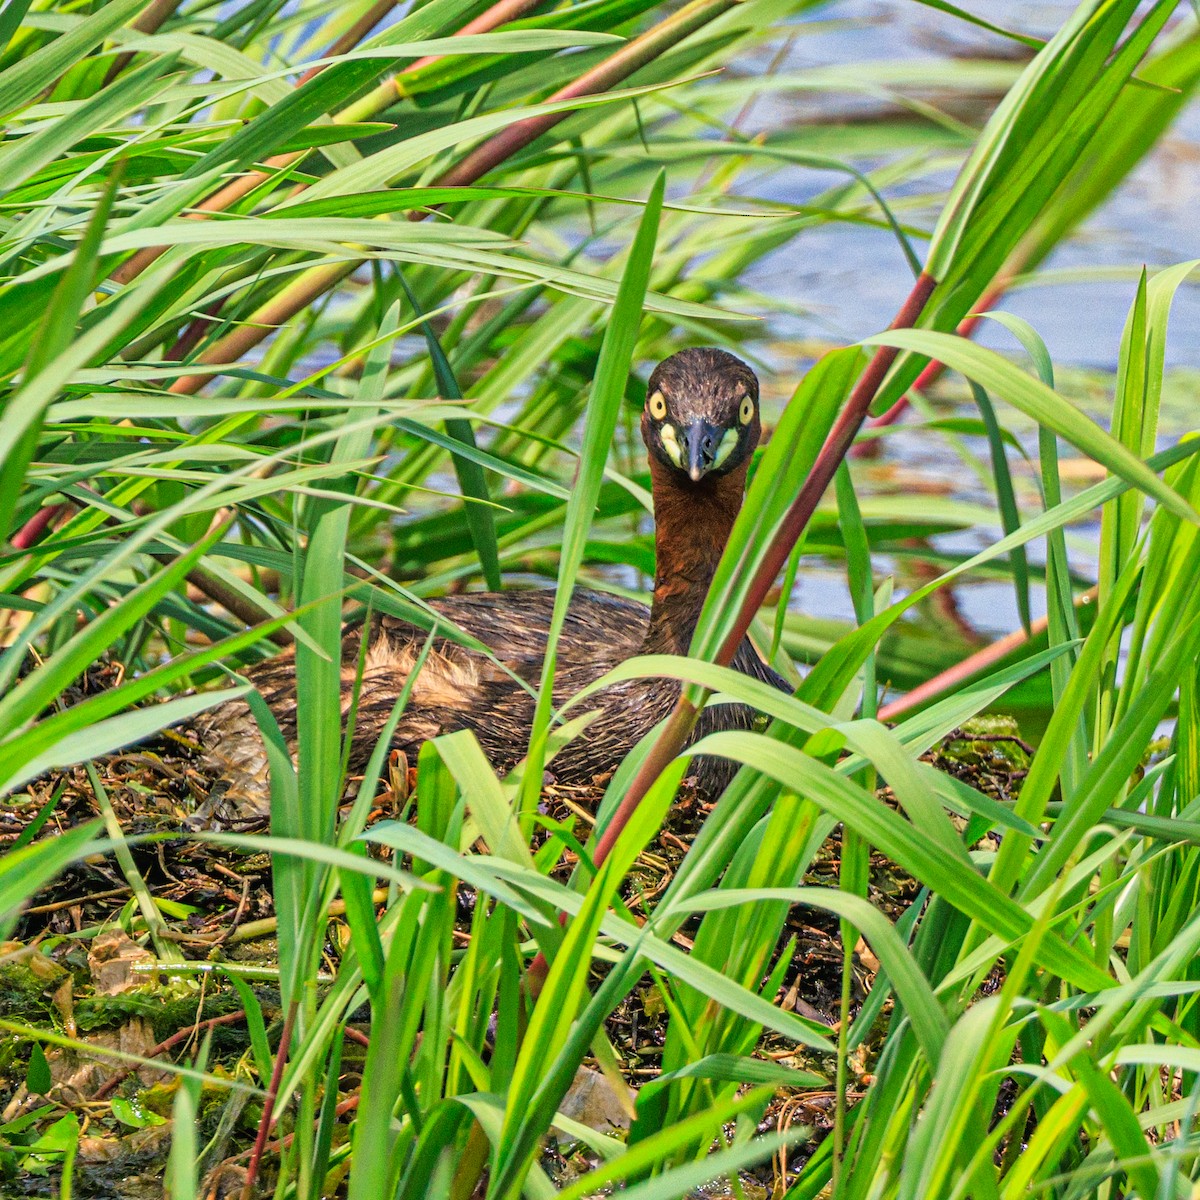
(1010, 517)
(28, 77)
(23, 872)
(608, 389)
(471, 478)
(1036, 400)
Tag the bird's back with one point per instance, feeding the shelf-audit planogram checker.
(457, 687)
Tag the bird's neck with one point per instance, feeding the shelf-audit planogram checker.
(692, 525)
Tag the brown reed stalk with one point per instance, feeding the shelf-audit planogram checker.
(613, 70)
(972, 665)
(934, 370)
(149, 20)
(498, 14)
(268, 1113)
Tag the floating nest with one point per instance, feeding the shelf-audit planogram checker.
(72, 967)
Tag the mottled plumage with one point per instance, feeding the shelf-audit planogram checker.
(700, 426)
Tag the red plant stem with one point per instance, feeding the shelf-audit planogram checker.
(209, 584)
(37, 525)
(190, 338)
(111, 1084)
(669, 743)
(682, 720)
(344, 1107)
(352, 36)
(631, 57)
(277, 311)
(933, 370)
(498, 14)
(970, 666)
(959, 673)
(268, 1113)
(836, 446)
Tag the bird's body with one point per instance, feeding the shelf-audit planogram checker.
(493, 697)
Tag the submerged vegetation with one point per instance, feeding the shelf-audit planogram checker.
(315, 310)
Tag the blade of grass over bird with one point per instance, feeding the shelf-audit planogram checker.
(608, 390)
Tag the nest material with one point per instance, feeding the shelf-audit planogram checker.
(153, 788)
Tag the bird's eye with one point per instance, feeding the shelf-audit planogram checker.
(657, 406)
(746, 414)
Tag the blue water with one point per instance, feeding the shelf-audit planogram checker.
(849, 280)
(852, 279)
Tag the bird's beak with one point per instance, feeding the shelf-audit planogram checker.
(700, 442)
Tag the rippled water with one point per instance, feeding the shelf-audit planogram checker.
(852, 279)
(1150, 219)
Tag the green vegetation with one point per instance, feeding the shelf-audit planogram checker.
(278, 348)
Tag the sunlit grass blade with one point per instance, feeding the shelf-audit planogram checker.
(1006, 500)
(608, 389)
(21, 82)
(900, 842)
(131, 92)
(107, 736)
(21, 420)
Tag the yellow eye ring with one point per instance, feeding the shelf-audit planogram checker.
(657, 406)
(746, 413)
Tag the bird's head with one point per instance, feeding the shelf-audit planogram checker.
(701, 414)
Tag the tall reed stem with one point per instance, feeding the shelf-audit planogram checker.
(836, 446)
(683, 719)
(835, 449)
(974, 664)
(631, 57)
(268, 1113)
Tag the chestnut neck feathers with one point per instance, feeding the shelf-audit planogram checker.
(692, 526)
(700, 426)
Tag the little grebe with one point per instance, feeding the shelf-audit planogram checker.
(700, 426)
